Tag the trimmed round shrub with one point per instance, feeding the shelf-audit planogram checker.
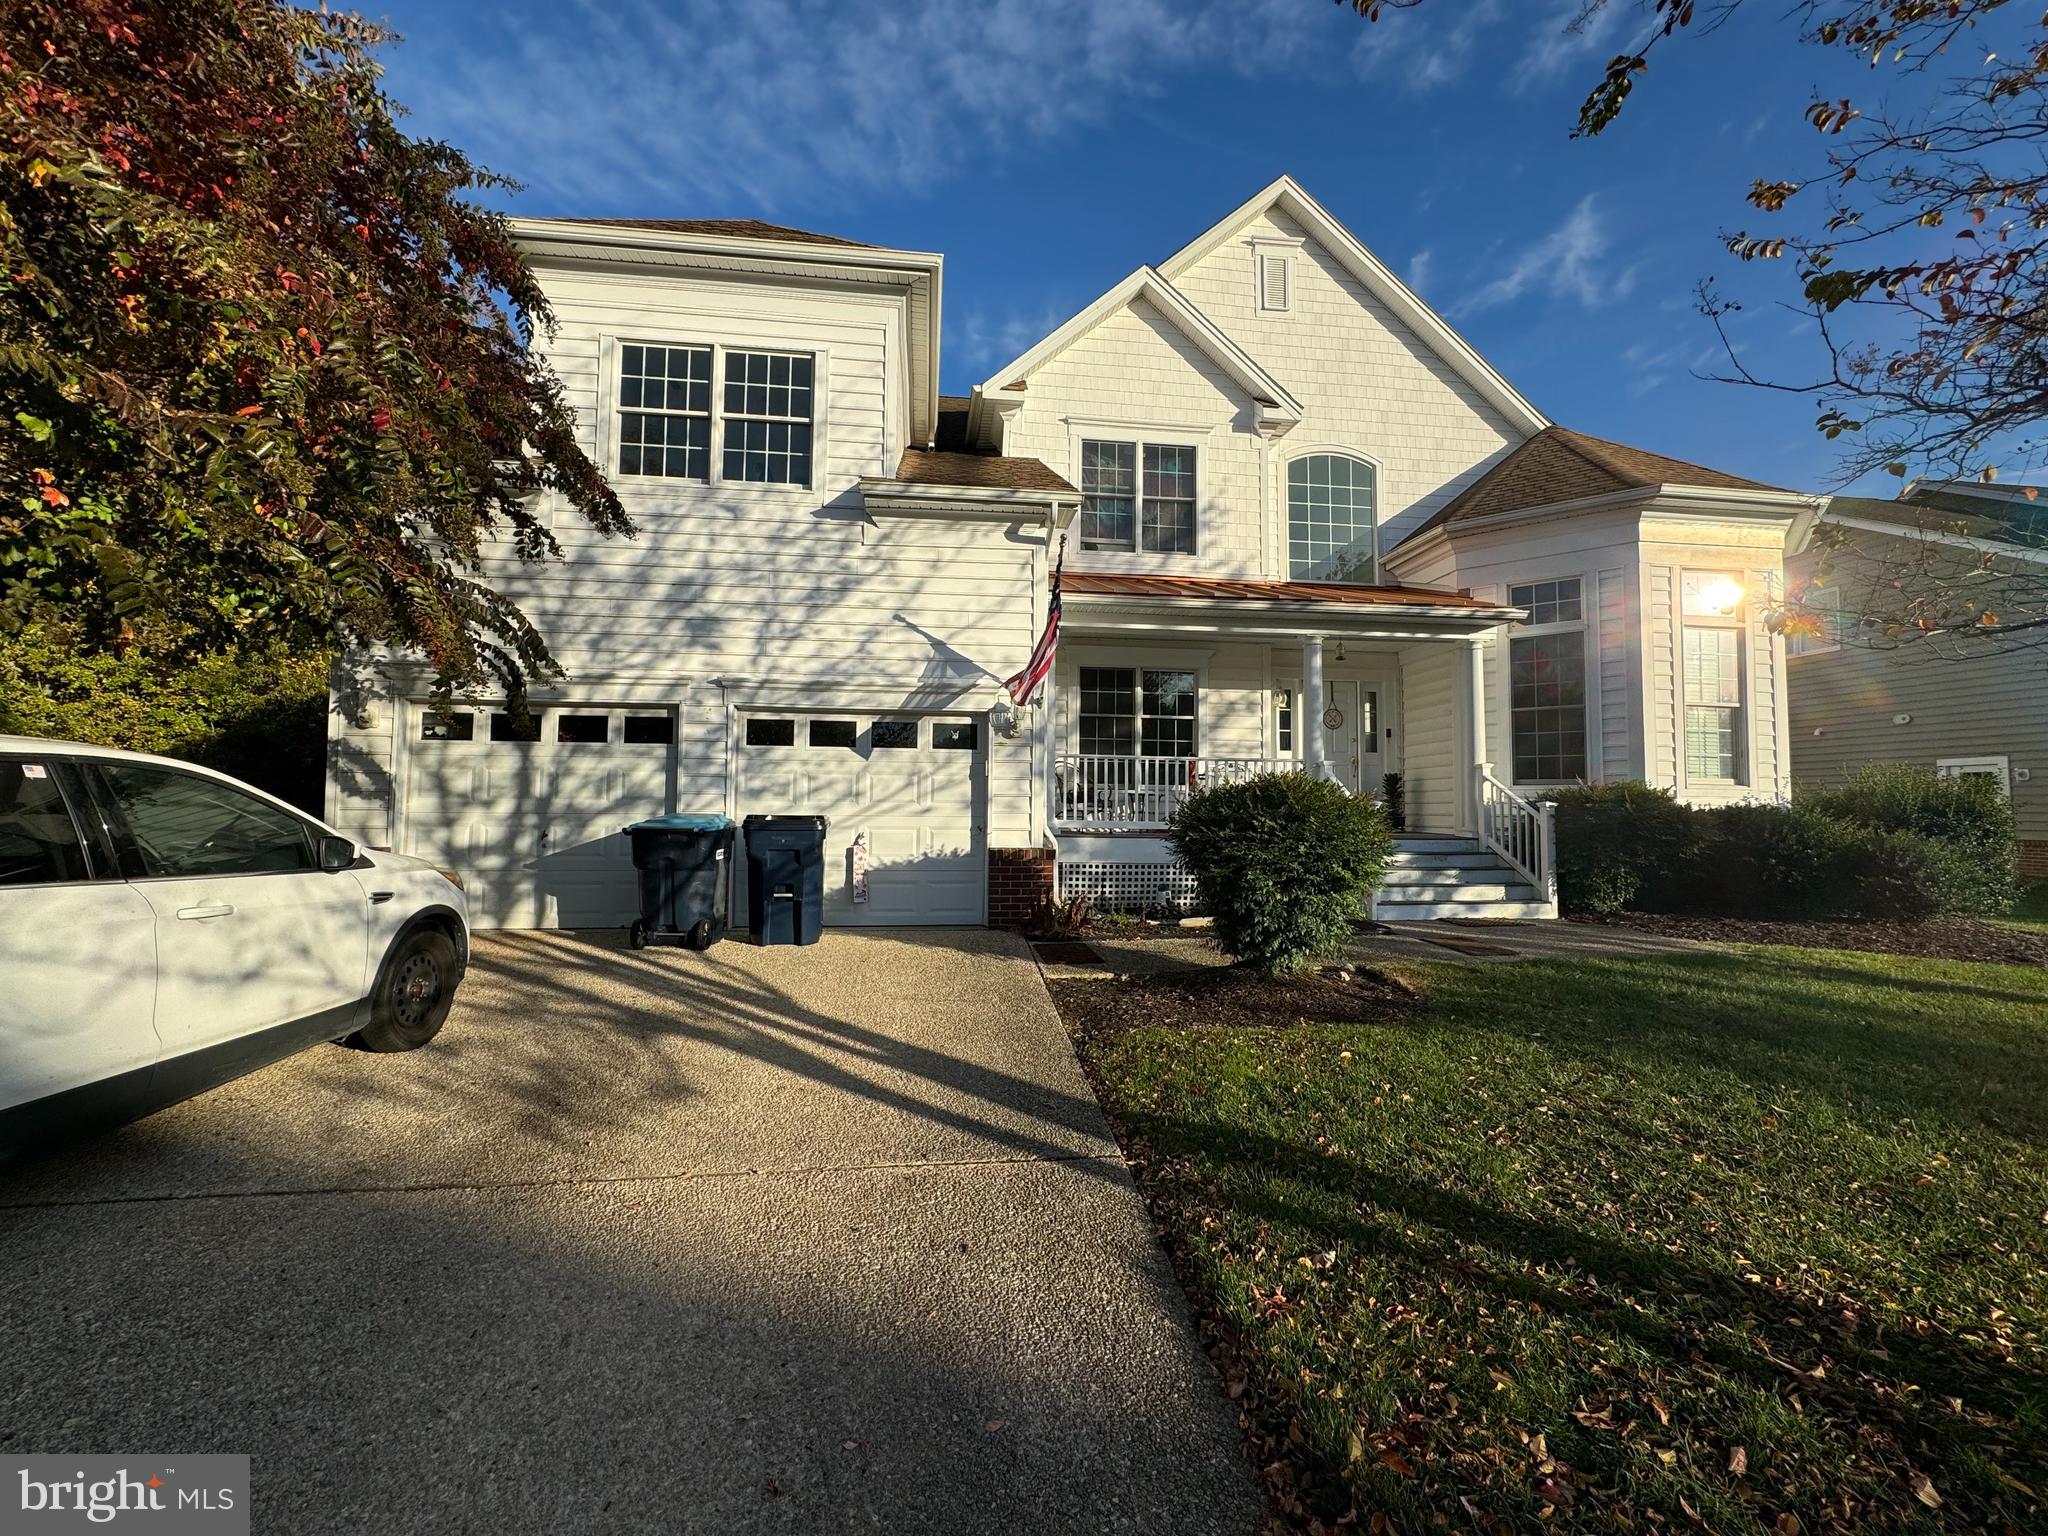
(1621, 846)
(1284, 863)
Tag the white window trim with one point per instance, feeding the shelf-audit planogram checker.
(1998, 763)
(1379, 491)
(1738, 622)
(1518, 631)
(1141, 438)
(612, 413)
(1287, 250)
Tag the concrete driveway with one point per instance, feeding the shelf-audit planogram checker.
(762, 1239)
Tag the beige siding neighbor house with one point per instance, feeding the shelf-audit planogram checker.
(1300, 522)
(1955, 707)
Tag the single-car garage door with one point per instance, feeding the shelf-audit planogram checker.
(904, 794)
(528, 810)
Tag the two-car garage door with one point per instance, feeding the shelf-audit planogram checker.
(529, 810)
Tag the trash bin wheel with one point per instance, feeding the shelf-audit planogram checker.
(637, 934)
(700, 935)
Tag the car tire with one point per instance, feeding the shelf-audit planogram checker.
(415, 990)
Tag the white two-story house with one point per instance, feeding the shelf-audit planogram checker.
(1302, 523)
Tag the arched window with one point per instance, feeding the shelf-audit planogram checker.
(1331, 535)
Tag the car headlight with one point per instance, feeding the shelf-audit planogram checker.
(451, 877)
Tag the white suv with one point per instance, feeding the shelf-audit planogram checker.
(164, 928)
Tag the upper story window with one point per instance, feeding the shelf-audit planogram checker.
(763, 419)
(1547, 683)
(1332, 533)
(665, 411)
(1154, 514)
(768, 418)
(1821, 606)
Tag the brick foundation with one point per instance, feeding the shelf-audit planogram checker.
(2034, 861)
(1020, 881)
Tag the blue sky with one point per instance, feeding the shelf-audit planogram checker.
(1047, 147)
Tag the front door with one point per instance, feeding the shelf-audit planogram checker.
(1351, 733)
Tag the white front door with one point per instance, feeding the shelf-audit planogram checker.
(904, 797)
(1350, 724)
(529, 812)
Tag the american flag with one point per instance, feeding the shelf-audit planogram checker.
(1036, 670)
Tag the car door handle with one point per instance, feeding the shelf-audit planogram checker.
(200, 914)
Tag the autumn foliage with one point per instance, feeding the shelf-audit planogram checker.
(266, 371)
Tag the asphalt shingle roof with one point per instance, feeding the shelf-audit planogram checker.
(738, 229)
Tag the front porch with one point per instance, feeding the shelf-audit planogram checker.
(1168, 686)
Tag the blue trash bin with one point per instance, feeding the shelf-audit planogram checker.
(685, 865)
(785, 878)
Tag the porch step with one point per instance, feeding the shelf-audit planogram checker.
(1422, 842)
(1470, 861)
(1448, 874)
(1424, 911)
(1464, 893)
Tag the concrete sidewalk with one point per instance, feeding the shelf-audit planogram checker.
(817, 1239)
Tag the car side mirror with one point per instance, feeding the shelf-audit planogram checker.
(336, 854)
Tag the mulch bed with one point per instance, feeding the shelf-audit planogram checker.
(1941, 938)
(1226, 998)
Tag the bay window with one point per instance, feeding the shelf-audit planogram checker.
(1710, 640)
(1547, 683)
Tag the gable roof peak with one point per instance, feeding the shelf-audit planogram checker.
(1401, 301)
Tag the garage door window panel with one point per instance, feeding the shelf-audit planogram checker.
(954, 736)
(583, 730)
(650, 730)
(843, 734)
(894, 735)
(511, 727)
(185, 826)
(39, 842)
(763, 732)
(459, 726)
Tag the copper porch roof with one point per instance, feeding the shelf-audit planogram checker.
(1116, 584)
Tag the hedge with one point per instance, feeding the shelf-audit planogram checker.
(260, 715)
(1891, 841)
(1284, 864)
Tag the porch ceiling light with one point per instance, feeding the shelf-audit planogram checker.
(1722, 594)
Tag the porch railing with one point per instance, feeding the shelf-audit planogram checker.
(1523, 832)
(1103, 793)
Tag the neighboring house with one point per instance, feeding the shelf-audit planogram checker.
(1948, 704)
(1304, 523)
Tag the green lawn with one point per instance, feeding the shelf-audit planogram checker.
(1760, 1237)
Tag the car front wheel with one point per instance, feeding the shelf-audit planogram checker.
(415, 990)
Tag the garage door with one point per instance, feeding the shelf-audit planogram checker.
(528, 810)
(906, 791)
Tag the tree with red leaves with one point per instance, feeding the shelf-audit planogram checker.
(266, 373)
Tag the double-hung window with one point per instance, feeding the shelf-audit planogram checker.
(1711, 634)
(665, 412)
(1136, 712)
(1547, 683)
(758, 429)
(1152, 512)
(768, 418)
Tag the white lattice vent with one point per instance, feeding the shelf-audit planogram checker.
(1129, 887)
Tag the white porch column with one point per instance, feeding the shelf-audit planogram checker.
(1472, 715)
(1311, 713)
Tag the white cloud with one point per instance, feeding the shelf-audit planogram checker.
(706, 106)
(1570, 262)
(1573, 31)
(1423, 49)
(980, 340)
(1420, 267)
